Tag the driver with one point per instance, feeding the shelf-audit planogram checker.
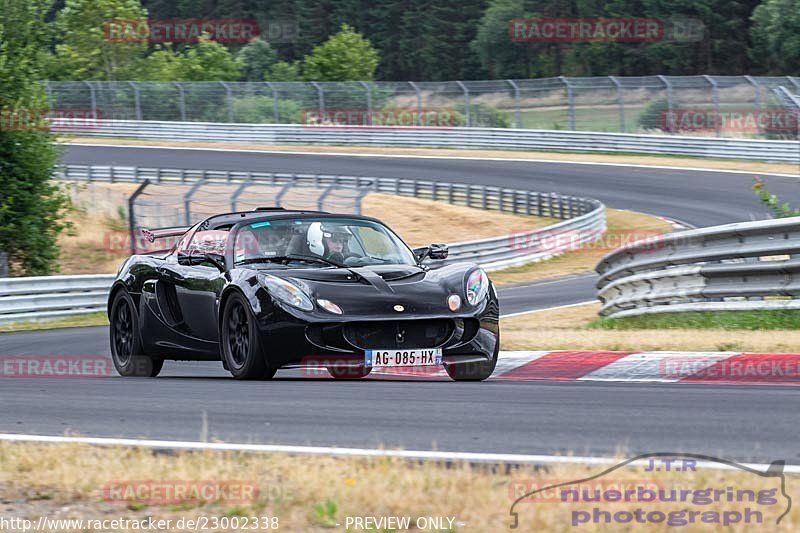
(334, 239)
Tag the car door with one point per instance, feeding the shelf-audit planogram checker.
(190, 285)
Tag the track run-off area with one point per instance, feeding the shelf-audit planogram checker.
(535, 415)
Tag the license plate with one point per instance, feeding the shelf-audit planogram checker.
(420, 357)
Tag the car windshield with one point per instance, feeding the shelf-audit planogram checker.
(318, 242)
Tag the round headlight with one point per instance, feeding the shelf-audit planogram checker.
(477, 286)
(287, 292)
(329, 306)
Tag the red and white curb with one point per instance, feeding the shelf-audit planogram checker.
(642, 367)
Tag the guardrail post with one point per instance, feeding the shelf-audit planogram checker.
(137, 100)
(181, 100)
(466, 102)
(450, 193)
(621, 101)
(229, 99)
(131, 213)
(715, 99)
(570, 103)
(419, 102)
(321, 98)
(369, 101)
(517, 104)
(483, 198)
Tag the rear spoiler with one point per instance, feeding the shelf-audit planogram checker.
(143, 241)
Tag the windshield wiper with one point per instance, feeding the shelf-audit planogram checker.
(286, 258)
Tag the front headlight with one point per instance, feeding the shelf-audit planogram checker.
(286, 292)
(477, 286)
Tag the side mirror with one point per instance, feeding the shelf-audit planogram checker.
(434, 251)
(193, 259)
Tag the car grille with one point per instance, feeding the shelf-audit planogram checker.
(399, 333)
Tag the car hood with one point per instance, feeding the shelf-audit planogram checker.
(376, 291)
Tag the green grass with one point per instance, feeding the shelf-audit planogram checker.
(79, 321)
(733, 320)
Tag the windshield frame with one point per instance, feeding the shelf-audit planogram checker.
(315, 217)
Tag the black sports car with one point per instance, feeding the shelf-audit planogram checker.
(271, 288)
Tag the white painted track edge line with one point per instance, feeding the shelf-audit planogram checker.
(357, 452)
(578, 304)
(463, 158)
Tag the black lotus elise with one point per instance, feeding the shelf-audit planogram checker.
(271, 288)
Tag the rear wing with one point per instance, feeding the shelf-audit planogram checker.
(145, 241)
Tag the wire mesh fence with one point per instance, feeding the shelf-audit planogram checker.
(738, 106)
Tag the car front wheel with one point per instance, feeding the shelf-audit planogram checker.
(241, 346)
(126, 344)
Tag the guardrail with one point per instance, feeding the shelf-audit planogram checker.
(582, 222)
(479, 138)
(736, 267)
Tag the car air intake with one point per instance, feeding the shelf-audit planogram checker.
(399, 334)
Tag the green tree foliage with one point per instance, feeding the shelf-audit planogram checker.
(90, 47)
(31, 205)
(256, 60)
(345, 56)
(776, 35)
(206, 60)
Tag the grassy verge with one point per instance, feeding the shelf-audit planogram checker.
(320, 493)
(79, 321)
(615, 158)
(578, 328)
(624, 227)
(727, 320)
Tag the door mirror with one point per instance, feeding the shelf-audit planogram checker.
(194, 259)
(434, 251)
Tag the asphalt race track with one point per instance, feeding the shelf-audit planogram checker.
(745, 423)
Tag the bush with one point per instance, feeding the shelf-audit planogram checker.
(261, 110)
(652, 117)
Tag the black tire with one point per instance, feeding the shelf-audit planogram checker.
(126, 343)
(474, 371)
(241, 346)
(349, 372)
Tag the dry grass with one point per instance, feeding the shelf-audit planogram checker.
(624, 227)
(565, 329)
(316, 493)
(421, 222)
(751, 166)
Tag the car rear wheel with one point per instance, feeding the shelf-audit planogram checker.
(474, 371)
(349, 372)
(241, 346)
(126, 344)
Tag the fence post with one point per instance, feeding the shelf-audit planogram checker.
(570, 104)
(92, 97)
(229, 99)
(181, 100)
(321, 96)
(756, 90)
(136, 99)
(517, 104)
(419, 102)
(131, 213)
(369, 101)
(466, 102)
(187, 200)
(668, 85)
(621, 101)
(3, 265)
(714, 98)
(793, 82)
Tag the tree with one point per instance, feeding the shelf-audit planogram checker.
(101, 39)
(206, 60)
(776, 36)
(499, 55)
(31, 205)
(283, 71)
(256, 60)
(346, 56)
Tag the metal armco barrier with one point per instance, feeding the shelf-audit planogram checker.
(478, 138)
(737, 267)
(582, 221)
(41, 297)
